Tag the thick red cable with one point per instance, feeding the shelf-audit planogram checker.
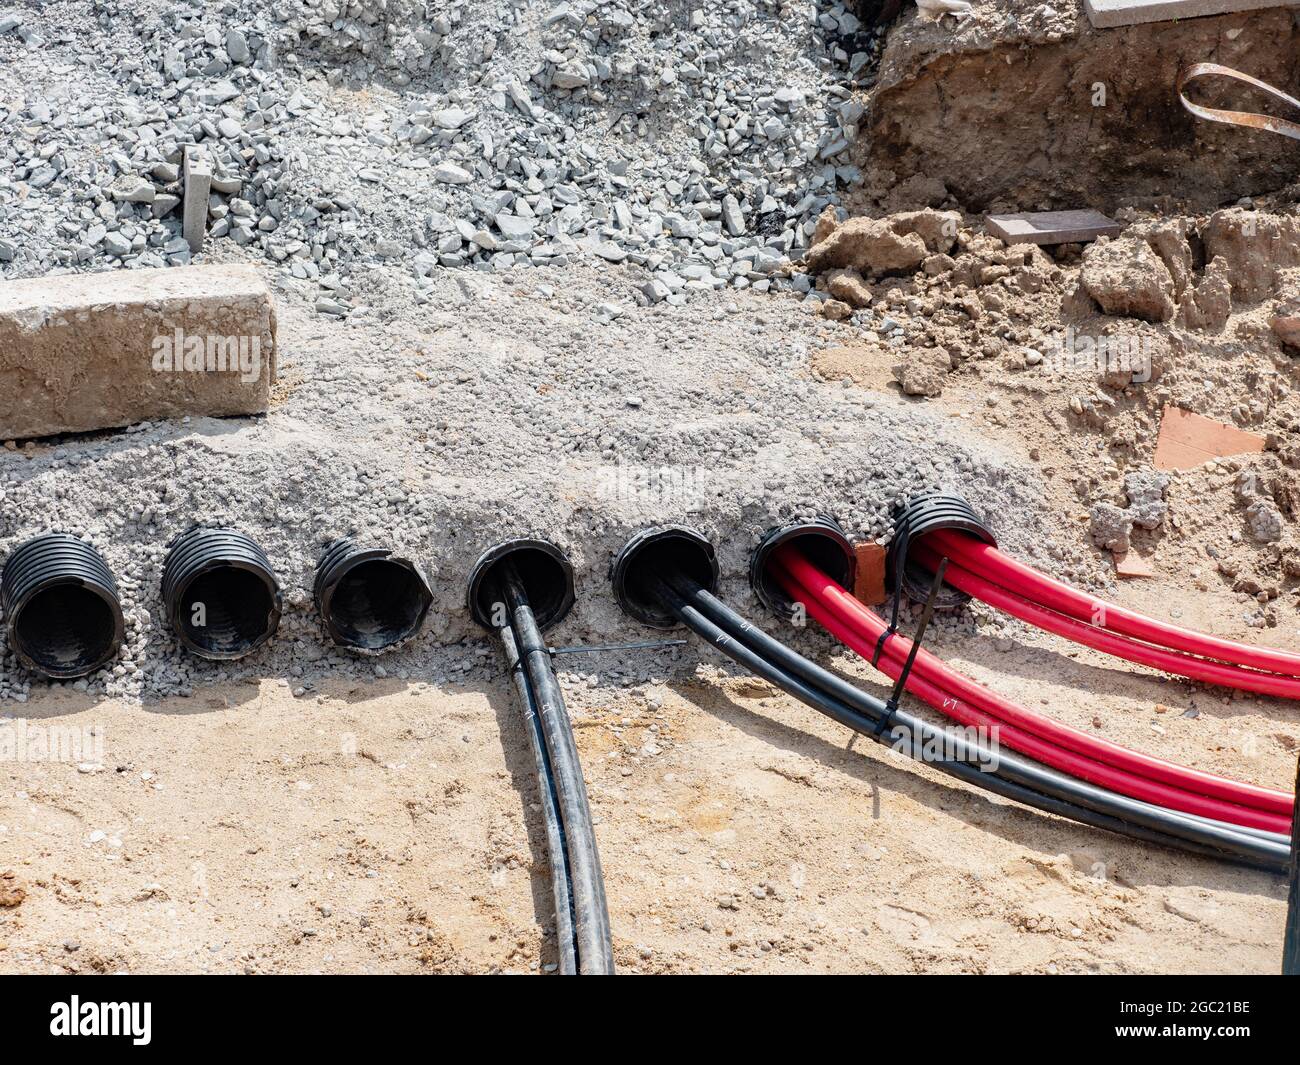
(990, 563)
(1089, 757)
(926, 688)
(1203, 669)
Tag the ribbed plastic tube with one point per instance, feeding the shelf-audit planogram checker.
(62, 614)
(221, 595)
(368, 599)
(822, 540)
(657, 550)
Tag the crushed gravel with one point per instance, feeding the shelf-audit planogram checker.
(514, 408)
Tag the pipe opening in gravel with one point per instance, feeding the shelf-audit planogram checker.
(671, 551)
(66, 630)
(831, 554)
(377, 604)
(824, 554)
(237, 615)
(546, 577)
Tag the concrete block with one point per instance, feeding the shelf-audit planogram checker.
(96, 351)
(1052, 227)
(1105, 14)
(198, 186)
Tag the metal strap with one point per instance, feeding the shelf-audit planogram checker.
(1238, 118)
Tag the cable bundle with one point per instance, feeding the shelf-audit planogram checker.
(1087, 757)
(985, 573)
(582, 927)
(1251, 839)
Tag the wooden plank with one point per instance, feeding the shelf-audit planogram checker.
(1052, 227)
(1105, 14)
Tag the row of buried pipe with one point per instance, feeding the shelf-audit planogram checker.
(222, 599)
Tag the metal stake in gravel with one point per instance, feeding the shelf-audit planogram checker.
(368, 599)
(61, 607)
(221, 596)
(1291, 939)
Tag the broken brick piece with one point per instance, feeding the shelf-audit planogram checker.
(1188, 440)
(1131, 564)
(1287, 330)
(869, 587)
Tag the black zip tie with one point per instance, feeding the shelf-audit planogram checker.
(581, 650)
(891, 706)
(892, 628)
(880, 646)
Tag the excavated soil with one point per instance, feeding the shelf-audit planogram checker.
(390, 826)
(1026, 107)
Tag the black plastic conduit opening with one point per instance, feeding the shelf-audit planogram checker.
(222, 598)
(923, 514)
(546, 575)
(367, 599)
(61, 610)
(500, 595)
(999, 772)
(822, 542)
(661, 549)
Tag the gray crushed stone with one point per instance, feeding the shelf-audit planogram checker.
(515, 408)
(535, 271)
(698, 142)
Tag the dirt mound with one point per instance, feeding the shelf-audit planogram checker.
(1195, 270)
(1025, 106)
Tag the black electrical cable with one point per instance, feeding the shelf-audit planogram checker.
(556, 845)
(1020, 770)
(591, 916)
(968, 771)
(1013, 778)
(782, 656)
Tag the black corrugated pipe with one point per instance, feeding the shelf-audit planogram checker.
(822, 540)
(368, 599)
(660, 549)
(547, 577)
(916, 517)
(61, 609)
(221, 596)
(1000, 772)
(503, 587)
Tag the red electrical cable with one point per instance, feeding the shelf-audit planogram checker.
(986, 561)
(1203, 669)
(1088, 757)
(920, 683)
